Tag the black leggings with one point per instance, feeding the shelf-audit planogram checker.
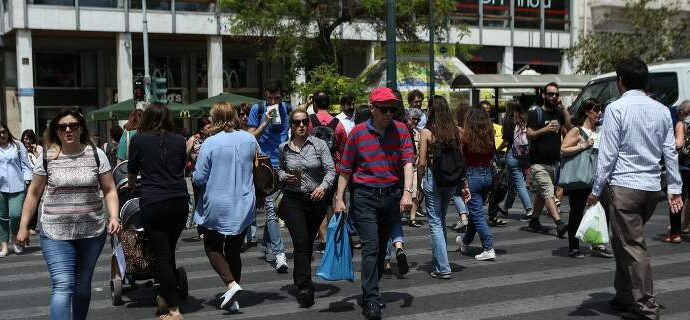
(677, 218)
(163, 223)
(223, 253)
(577, 200)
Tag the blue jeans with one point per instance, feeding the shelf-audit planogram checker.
(457, 200)
(396, 236)
(71, 264)
(373, 211)
(515, 168)
(272, 239)
(436, 200)
(479, 180)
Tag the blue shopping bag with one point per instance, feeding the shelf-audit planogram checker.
(336, 263)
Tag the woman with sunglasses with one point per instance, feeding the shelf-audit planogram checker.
(586, 123)
(307, 171)
(72, 172)
(226, 208)
(158, 154)
(15, 174)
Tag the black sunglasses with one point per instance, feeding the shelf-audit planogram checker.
(72, 126)
(297, 122)
(552, 94)
(386, 109)
(417, 119)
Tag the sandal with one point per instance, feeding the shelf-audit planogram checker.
(415, 224)
(672, 238)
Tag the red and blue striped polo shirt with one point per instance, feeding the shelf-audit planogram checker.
(376, 161)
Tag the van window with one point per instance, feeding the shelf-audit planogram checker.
(662, 86)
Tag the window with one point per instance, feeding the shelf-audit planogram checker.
(53, 2)
(101, 3)
(664, 87)
(57, 70)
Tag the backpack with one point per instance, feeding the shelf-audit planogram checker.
(110, 149)
(684, 152)
(520, 144)
(448, 165)
(325, 133)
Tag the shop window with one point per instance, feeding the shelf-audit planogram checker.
(57, 70)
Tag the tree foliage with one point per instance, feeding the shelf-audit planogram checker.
(306, 32)
(326, 78)
(653, 33)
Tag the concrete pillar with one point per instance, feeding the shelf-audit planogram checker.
(25, 79)
(507, 63)
(125, 77)
(214, 66)
(371, 53)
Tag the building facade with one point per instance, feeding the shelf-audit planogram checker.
(85, 53)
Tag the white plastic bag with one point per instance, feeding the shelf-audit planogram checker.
(593, 228)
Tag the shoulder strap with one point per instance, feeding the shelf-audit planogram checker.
(334, 123)
(45, 160)
(95, 156)
(583, 134)
(540, 116)
(261, 106)
(314, 120)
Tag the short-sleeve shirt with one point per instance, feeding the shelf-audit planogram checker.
(273, 135)
(546, 149)
(161, 159)
(72, 205)
(376, 160)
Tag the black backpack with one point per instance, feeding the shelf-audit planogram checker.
(325, 133)
(448, 165)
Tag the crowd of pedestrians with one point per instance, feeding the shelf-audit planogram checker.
(374, 163)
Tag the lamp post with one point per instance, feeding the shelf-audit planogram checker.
(432, 77)
(145, 36)
(391, 59)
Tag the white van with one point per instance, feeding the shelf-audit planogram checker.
(669, 83)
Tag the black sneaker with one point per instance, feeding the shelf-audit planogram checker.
(372, 311)
(616, 305)
(536, 226)
(528, 216)
(577, 254)
(400, 256)
(561, 229)
(305, 297)
(601, 251)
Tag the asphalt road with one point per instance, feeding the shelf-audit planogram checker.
(532, 278)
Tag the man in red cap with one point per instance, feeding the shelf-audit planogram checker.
(378, 157)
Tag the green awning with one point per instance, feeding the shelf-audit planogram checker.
(118, 111)
(121, 110)
(234, 99)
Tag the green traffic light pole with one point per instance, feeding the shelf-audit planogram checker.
(145, 36)
(432, 77)
(391, 60)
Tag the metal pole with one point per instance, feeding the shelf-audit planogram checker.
(391, 59)
(432, 77)
(147, 76)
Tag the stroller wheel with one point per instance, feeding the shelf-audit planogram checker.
(116, 292)
(182, 282)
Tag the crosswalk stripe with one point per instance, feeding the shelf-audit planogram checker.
(534, 304)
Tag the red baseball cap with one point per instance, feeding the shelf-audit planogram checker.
(382, 94)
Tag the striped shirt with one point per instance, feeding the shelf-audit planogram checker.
(314, 161)
(72, 205)
(376, 161)
(637, 134)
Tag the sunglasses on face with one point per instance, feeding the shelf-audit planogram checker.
(386, 109)
(242, 115)
(299, 122)
(596, 109)
(63, 126)
(552, 94)
(416, 119)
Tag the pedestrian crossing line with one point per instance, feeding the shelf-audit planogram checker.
(104, 267)
(459, 286)
(677, 316)
(541, 303)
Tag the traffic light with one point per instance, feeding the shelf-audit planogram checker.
(159, 90)
(139, 90)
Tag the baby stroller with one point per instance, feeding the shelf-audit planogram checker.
(131, 259)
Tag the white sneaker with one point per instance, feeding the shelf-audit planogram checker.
(235, 306)
(233, 288)
(17, 248)
(486, 255)
(464, 248)
(281, 263)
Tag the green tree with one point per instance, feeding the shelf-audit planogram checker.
(304, 31)
(652, 33)
(326, 78)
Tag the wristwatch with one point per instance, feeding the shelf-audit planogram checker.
(410, 190)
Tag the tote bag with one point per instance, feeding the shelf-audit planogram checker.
(336, 263)
(579, 171)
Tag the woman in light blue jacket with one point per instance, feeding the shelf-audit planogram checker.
(224, 168)
(15, 174)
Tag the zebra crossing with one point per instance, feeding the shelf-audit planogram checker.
(532, 278)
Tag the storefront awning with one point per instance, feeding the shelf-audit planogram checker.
(121, 110)
(519, 81)
(233, 99)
